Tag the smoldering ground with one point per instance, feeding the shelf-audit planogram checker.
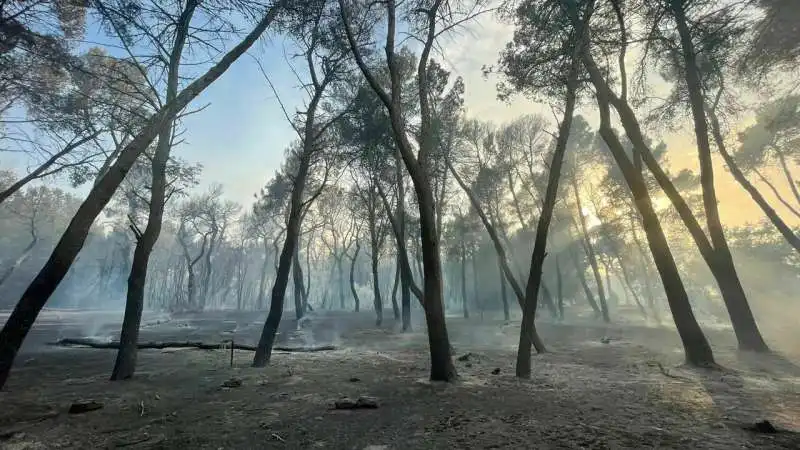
(614, 386)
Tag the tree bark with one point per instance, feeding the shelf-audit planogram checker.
(340, 278)
(41, 288)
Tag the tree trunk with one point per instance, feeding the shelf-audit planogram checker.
(267, 339)
(587, 243)
(503, 293)
(547, 296)
(648, 283)
(402, 252)
(527, 332)
(580, 272)
(395, 285)
(559, 290)
(299, 294)
(207, 267)
(125, 364)
(696, 347)
(442, 367)
(744, 323)
(340, 275)
(400, 237)
(262, 281)
(356, 300)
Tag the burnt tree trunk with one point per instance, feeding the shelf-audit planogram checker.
(697, 350)
(267, 339)
(356, 300)
(299, 294)
(579, 271)
(590, 254)
(125, 364)
(559, 290)
(262, 281)
(395, 285)
(503, 292)
(527, 333)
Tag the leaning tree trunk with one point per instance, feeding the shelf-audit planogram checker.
(696, 347)
(503, 292)
(528, 329)
(267, 339)
(587, 292)
(125, 364)
(559, 290)
(41, 288)
(744, 323)
(587, 243)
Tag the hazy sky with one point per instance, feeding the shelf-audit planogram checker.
(240, 138)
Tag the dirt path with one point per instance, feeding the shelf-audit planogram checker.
(627, 393)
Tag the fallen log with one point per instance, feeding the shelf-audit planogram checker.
(91, 343)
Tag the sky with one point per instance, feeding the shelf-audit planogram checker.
(241, 136)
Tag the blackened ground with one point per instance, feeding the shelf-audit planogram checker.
(599, 387)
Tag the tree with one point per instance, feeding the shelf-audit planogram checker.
(429, 19)
(313, 26)
(33, 300)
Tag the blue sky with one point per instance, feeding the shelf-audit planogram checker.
(240, 138)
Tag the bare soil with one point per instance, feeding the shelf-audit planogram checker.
(599, 387)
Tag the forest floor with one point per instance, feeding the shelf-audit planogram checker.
(599, 387)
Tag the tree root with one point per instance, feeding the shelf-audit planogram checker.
(71, 342)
